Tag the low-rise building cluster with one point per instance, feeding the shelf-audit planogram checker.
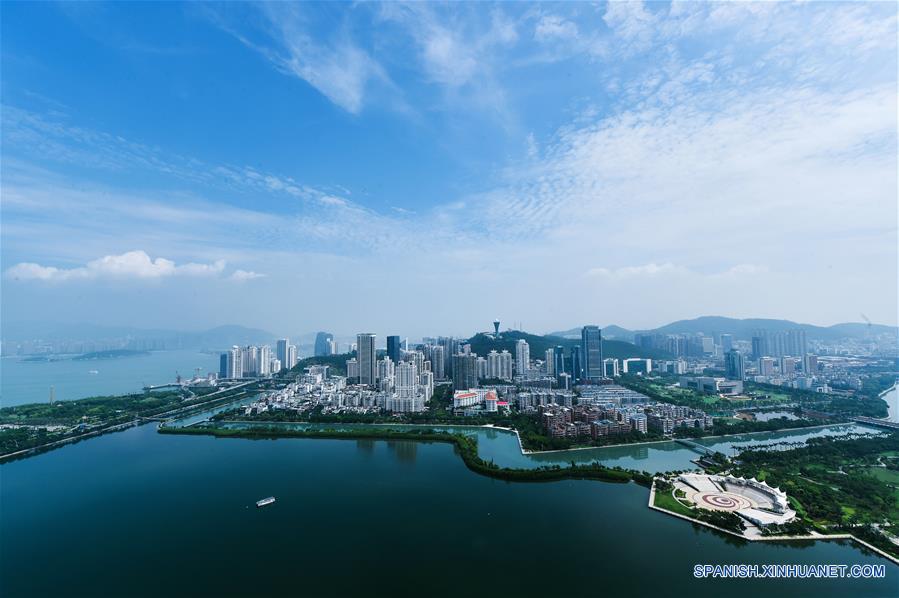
(598, 419)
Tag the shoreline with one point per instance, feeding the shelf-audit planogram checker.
(891, 416)
(466, 445)
(468, 452)
(525, 451)
(118, 426)
(810, 538)
(889, 390)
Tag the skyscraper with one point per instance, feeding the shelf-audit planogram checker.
(393, 348)
(727, 342)
(223, 365)
(759, 346)
(323, 342)
(465, 371)
(386, 373)
(265, 360)
(499, 365)
(291, 356)
(438, 362)
(365, 354)
(522, 357)
(576, 366)
(549, 358)
(733, 365)
(250, 358)
(450, 348)
(406, 379)
(797, 346)
(559, 360)
(810, 364)
(591, 353)
(235, 362)
(281, 350)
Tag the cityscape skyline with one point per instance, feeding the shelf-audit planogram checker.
(615, 154)
(313, 297)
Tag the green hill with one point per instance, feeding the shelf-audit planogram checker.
(482, 344)
(336, 362)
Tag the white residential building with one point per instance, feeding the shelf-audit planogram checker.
(522, 357)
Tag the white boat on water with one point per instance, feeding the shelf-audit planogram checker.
(265, 502)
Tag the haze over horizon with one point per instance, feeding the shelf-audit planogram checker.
(424, 169)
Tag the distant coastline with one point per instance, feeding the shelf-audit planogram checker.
(90, 356)
(110, 354)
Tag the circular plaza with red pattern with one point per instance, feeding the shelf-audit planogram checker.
(721, 501)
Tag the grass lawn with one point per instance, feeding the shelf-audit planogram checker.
(883, 474)
(664, 500)
(797, 506)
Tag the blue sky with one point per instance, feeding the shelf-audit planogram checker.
(427, 167)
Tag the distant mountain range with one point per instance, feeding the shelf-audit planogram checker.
(216, 338)
(222, 337)
(482, 344)
(743, 329)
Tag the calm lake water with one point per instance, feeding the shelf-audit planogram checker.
(501, 446)
(140, 513)
(30, 381)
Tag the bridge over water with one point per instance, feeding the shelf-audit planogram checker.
(695, 446)
(880, 423)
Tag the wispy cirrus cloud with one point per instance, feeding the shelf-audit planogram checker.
(51, 137)
(335, 65)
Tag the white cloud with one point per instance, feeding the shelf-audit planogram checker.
(650, 269)
(631, 22)
(653, 269)
(554, 27)
(133, 264)
(244, 275)
(770, 147)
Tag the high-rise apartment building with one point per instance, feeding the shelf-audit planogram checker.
(522, 357)
(438, 362)
(265, 361)
(292, 356)
(548, 360)
(499, 365)
(250, 359)
(465, 371)
(407, 380)
(235, 362)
